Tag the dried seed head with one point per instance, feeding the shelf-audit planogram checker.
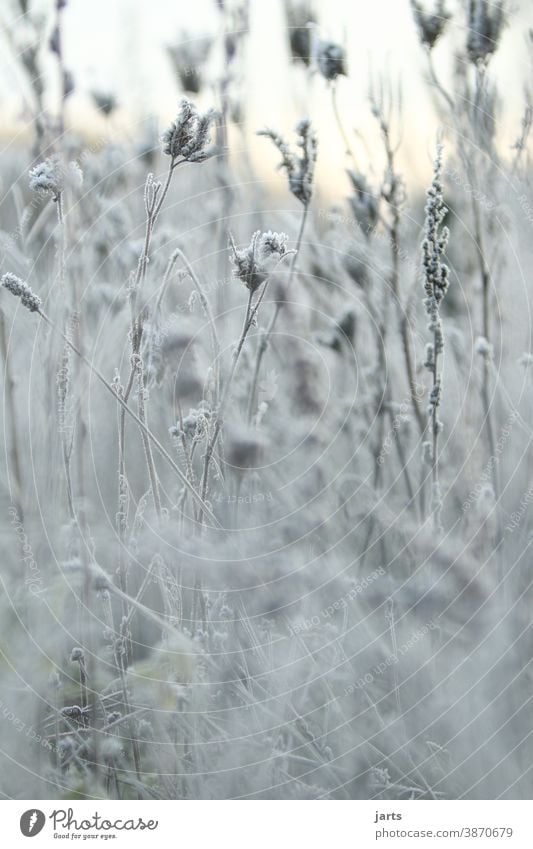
(21, 290)
(485, 25)
(431, 25)
(77, 655)
(188, 136)
(331, 60)
(50, 177)
(254, 263)
(300, 168)
(363, 202)
(436, 273)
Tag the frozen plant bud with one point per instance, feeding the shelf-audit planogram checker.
(331, 60)
(254, 263)
(21, 290)
(300, 168)
(188, 136)
(431, 25)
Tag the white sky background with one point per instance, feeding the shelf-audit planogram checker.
(118, 45)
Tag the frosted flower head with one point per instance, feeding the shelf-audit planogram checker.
(300, 167)
(188, 136)
(331, 60)
(50, 177)
(47, 177)
(21, 290)
(431, 25)
(254, 263)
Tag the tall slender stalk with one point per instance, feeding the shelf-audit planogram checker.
(435, 285)
(265, 339)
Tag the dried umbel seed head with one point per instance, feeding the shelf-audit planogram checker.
(188, 136)
(431, 25)
(21, 290)
(331, 60)
(300, 168)
(485, 24)
(254, 263)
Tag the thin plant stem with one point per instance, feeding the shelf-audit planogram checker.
(340, 125)
(263, 345)
(155, 442)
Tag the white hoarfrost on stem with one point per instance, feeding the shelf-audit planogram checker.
(436, 279)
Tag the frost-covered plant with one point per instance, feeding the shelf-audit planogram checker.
(330, 59)
(431, 24)
(51, 176)
(21, 290)
(363, 202)
(436, 281)
(300, 19)
(300, 168)
(187, 138)
(486, 21)
(252, 264)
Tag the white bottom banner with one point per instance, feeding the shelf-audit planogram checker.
(266, 825)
